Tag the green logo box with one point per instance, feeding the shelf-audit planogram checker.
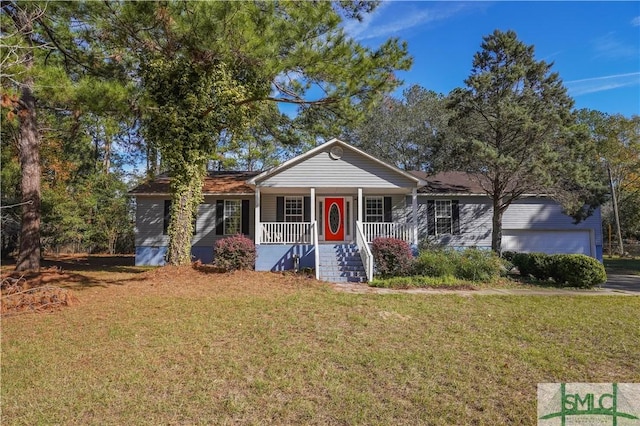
(588, 404)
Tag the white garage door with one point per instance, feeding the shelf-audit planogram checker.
(546, 241)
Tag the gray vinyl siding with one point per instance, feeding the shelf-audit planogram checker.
(545, 214)
(352, 170)
(525, 214)
(268, 207)
(150, 216)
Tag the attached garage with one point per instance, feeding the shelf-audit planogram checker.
(551, 242)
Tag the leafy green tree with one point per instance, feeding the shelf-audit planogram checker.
(411, 132)
(207, 68)
(514, 120)
(618, 143)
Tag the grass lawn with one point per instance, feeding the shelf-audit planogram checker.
(179, 346)
(626, 265)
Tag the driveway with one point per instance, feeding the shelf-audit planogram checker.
(623, 282)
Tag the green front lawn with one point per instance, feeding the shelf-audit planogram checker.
(222, 349)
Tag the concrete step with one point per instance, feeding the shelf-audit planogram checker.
(341, 263)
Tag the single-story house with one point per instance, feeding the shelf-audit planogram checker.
(322, 209)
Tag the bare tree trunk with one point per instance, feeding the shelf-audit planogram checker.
(496, 234)
(29, 153)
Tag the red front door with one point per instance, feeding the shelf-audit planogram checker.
(334, 219)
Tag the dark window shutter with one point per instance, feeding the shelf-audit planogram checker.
(388, 217)
(307, 209)
(431, 217)
(245, 217)
(167, 217)
(219, 217)
(279, 209)
(455, 211)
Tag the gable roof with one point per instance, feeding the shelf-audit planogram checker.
(216, 182)
(333, 142)
(450, 183)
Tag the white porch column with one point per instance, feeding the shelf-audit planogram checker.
(312, 214)
(414, 211)
(258, 230)
(360, 205)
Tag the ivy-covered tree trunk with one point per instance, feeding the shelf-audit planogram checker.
(187, 195)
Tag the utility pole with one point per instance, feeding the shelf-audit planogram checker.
(615, 211)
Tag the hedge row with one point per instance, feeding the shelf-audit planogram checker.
(393, 258)
(566, 270)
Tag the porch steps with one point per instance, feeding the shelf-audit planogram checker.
(341, 263)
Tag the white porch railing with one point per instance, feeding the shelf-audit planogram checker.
(314, 233)
(286, 233)
(365, 251)
(373, 230)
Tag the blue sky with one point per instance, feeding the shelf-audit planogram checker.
(595, 46)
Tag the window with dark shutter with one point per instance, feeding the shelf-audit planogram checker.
(245, 217)
(219, 217)
(167, 217)
(374, 209)
(431, 217)
(388, 216)
(279, 209)
(307, 209)
(455, 213)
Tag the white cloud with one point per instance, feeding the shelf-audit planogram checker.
(608, 46)
(636, 21)
(402, 19)
(601, 84)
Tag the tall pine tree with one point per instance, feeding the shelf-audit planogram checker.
(516, 124)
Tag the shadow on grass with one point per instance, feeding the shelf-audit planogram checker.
(78, 272)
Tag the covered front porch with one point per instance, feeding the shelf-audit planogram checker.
(333, 195)
(303, 219)
(346, 219)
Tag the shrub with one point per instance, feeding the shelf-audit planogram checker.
(445, 282)
(477, 265)
(522, 262)
(392, 257)
(235, 253)
(434, 263)
(508, 255)
(576, 270)
(540, 264)
(535, 264)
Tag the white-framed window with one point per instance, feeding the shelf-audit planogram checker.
(232, 217)
(374, 209)
(293, 209)
(443, 217)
